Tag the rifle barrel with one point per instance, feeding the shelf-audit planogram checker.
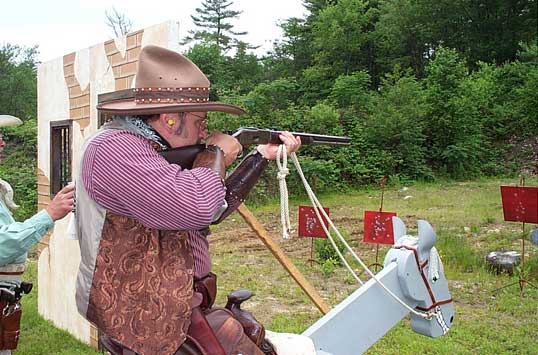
(309, 138)
(248, 136)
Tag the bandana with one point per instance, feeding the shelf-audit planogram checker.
(136, 125)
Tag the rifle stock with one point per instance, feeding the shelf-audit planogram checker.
(184, 156)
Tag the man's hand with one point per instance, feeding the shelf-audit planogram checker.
(269, 151)
(229, 145)
(62, 203)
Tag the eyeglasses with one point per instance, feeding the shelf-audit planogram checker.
(202, 124)
(204, 117)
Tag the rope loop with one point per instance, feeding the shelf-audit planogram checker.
(318, 208)
(281, 175)
(283, 171)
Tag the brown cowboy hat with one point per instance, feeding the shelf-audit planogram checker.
(166, 81)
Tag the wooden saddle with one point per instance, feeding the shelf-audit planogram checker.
(213, 330)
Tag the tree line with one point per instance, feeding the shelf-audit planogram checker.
(425, 89)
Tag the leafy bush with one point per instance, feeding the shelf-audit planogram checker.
(322, 175)
(266, 98)
(18, 84)
(351, 90)
(394, 128)
(19, 166)
(329, 265)
(453, 136)
(325, 251)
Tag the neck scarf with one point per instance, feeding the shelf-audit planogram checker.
(137, 125)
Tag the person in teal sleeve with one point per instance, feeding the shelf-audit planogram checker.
(16, 238)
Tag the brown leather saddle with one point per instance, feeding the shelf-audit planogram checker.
(214, 330)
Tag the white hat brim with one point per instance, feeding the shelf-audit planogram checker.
(9, 121)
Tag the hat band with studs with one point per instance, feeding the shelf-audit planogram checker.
(166, 95)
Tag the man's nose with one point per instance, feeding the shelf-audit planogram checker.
(202, 130)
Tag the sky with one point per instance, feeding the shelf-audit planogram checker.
(59, 27)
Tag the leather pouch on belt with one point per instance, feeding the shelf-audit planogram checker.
(207, 287)
(10, 330)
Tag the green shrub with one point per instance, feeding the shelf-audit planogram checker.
(18, 166)
(325, 251)
(328, 267)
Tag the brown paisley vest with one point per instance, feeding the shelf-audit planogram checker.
(142, 286)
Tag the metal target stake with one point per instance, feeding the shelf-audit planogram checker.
(376, 266)
(522, 280)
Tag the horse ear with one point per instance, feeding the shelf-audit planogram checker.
(398, 228)
(426, 237)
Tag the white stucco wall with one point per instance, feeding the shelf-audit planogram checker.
(52, 105)
(57, 263)
(165, 34)
(102, 80)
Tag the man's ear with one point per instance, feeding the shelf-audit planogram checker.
(167, 120)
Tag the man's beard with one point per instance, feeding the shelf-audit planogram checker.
(6, 194)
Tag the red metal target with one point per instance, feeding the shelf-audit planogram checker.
(378, 227)
(309, 225)
(520, 203)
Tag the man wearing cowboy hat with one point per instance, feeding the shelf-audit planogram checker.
(16, 238)
(141, 219)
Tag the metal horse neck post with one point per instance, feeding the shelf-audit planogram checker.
(413, 275)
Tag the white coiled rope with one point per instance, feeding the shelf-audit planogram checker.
(283, 171)
(318, 208)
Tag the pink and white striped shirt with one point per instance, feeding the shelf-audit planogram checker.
(124, 174)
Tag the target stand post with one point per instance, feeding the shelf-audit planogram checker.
(378, 228)
(520, 204)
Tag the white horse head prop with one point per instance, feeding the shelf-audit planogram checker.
(413, 273)
(422, 278)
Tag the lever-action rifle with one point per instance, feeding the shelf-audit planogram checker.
(184, 156)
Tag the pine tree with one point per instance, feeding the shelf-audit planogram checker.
(213, 19)
(315, 6)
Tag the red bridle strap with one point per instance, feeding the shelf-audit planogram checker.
(421, 267)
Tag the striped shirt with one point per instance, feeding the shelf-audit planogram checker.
(123, 173)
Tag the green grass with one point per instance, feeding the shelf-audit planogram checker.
(39, 336)
(485, 323)
(467, 217)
